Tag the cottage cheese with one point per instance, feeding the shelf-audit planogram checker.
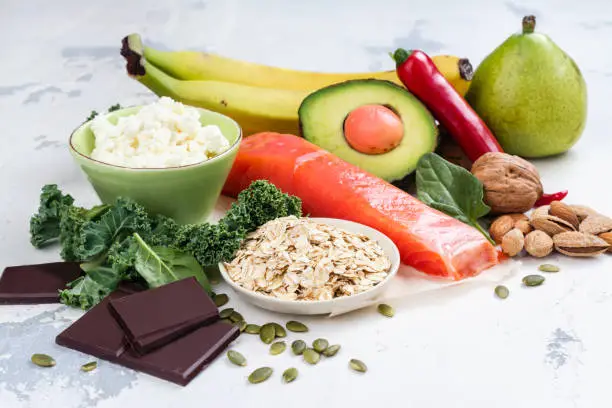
(163, 134)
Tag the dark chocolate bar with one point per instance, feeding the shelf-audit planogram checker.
(155, 317)
(97, 333)
(36, 284)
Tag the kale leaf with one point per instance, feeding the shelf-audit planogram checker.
(45, 224)
(87, 291)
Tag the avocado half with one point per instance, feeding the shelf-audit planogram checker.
(322, 115)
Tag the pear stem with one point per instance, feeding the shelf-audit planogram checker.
(529, 23)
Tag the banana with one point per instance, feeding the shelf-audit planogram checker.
(192, 65)
(255, 109)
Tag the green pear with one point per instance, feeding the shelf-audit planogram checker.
(531, 94)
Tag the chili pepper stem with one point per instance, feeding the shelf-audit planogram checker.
(400, 55)
(529, 23)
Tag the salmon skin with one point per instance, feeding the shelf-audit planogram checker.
(427, 239)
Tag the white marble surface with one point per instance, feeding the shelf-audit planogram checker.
(460, 347)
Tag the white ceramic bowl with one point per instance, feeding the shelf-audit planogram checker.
(319, 307)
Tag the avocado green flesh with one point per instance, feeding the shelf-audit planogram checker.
(531, 95)
(323, 112)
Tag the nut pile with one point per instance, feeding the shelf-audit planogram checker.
(572, 230)
(300, 259)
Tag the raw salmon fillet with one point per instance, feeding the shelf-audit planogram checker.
(428, 240)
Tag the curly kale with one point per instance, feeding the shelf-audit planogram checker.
(45, 224)
(102, 238)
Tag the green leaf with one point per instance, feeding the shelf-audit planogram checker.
(124, 218)
(87, 291)
(451, 189)
(162, 265)
(45, 224)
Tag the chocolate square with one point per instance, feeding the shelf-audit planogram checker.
(155, 317)
(36, 284)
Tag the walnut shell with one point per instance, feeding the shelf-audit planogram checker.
(511, 184)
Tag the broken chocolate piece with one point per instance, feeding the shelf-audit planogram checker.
(155, 317)
(97, 333)
(36, 284)
(184, 358)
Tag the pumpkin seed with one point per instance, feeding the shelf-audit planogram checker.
(236, 358)
(228, 321)
(278, 348)
(252, 329)
(92, 365)
(296, 327)
(320, 345)
(331, 350)
(267, 333)
(549, 268)
(236, 317)
(220, 299)
(279, 330)
(290, 374)
(241, 325)
(533, 280)
(358, 365)
(501, 291)
(260, 375)
(226, 313)
(43, 360)
(386, 310)
(311, 356)
(298, 347)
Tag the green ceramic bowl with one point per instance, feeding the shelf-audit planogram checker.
(187, 193)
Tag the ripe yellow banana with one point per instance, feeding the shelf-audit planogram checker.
(192, 65)
(255, 109)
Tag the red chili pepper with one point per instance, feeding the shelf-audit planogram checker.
(546, 199)
(421, 77)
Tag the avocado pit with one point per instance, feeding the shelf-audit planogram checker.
(373, 129)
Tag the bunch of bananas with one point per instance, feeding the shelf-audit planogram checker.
(259, 97)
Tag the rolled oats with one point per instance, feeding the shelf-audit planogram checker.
(301, 259)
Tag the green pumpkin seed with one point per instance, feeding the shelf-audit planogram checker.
(267, 333)
(278, 348)
(320, 345)
(311, 356)
(260, 375)
(236, 358)
(533, 280)
(241, 325)
(43, 360)
(296, 327)
(358, 365)
(279, 330)
(220, 299)
(501, 291)
(298, 347)
(228, 321)
(386, 310)
(236, 317)
(226, 313)
(549, 268)
(252, 329)
(92, 365)
(290, 374)
(331, 350)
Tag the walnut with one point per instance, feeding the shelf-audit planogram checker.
(511, 184)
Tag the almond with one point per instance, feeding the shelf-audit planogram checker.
(513, 242)
(607, 236)
(540, 211)
(582, 211)
(565, 212)
(596, 224)
(551, 225)
(538, 244)
(500, 227)
(580, 244)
